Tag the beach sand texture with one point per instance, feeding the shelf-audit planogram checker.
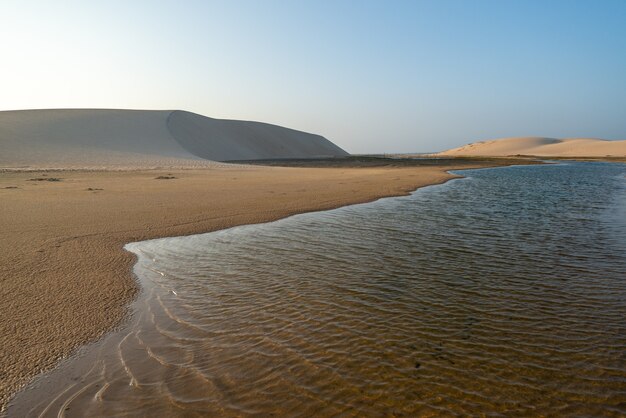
(101, 138)
(542, 147)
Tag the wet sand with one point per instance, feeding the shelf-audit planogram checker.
(64, 277)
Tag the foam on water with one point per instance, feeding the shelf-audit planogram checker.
(501, 293)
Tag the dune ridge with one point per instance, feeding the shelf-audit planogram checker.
(232, 140)
(541, 147)
(99, 138)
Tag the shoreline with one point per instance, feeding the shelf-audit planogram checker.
(81, 360)
(87, 285)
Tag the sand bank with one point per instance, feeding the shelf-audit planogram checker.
(64, 277)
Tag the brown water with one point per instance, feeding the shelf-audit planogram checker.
(500, 294)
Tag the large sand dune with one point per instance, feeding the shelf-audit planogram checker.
(543, 147)
(143, 138)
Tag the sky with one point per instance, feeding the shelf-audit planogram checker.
(371, 76)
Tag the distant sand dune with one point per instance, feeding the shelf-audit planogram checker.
(143, 138)
(543, 147)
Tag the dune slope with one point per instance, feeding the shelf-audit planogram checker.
(228, 140)
(142, 138)
(543, 147)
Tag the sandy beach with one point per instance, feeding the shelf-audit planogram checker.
(65, 278)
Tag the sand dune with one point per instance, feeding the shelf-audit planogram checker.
(142, 138)
(543, 147)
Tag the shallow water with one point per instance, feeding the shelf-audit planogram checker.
(501, 293)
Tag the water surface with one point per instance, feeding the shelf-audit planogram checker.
(501, 293)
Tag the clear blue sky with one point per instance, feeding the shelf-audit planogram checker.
(377, 76)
